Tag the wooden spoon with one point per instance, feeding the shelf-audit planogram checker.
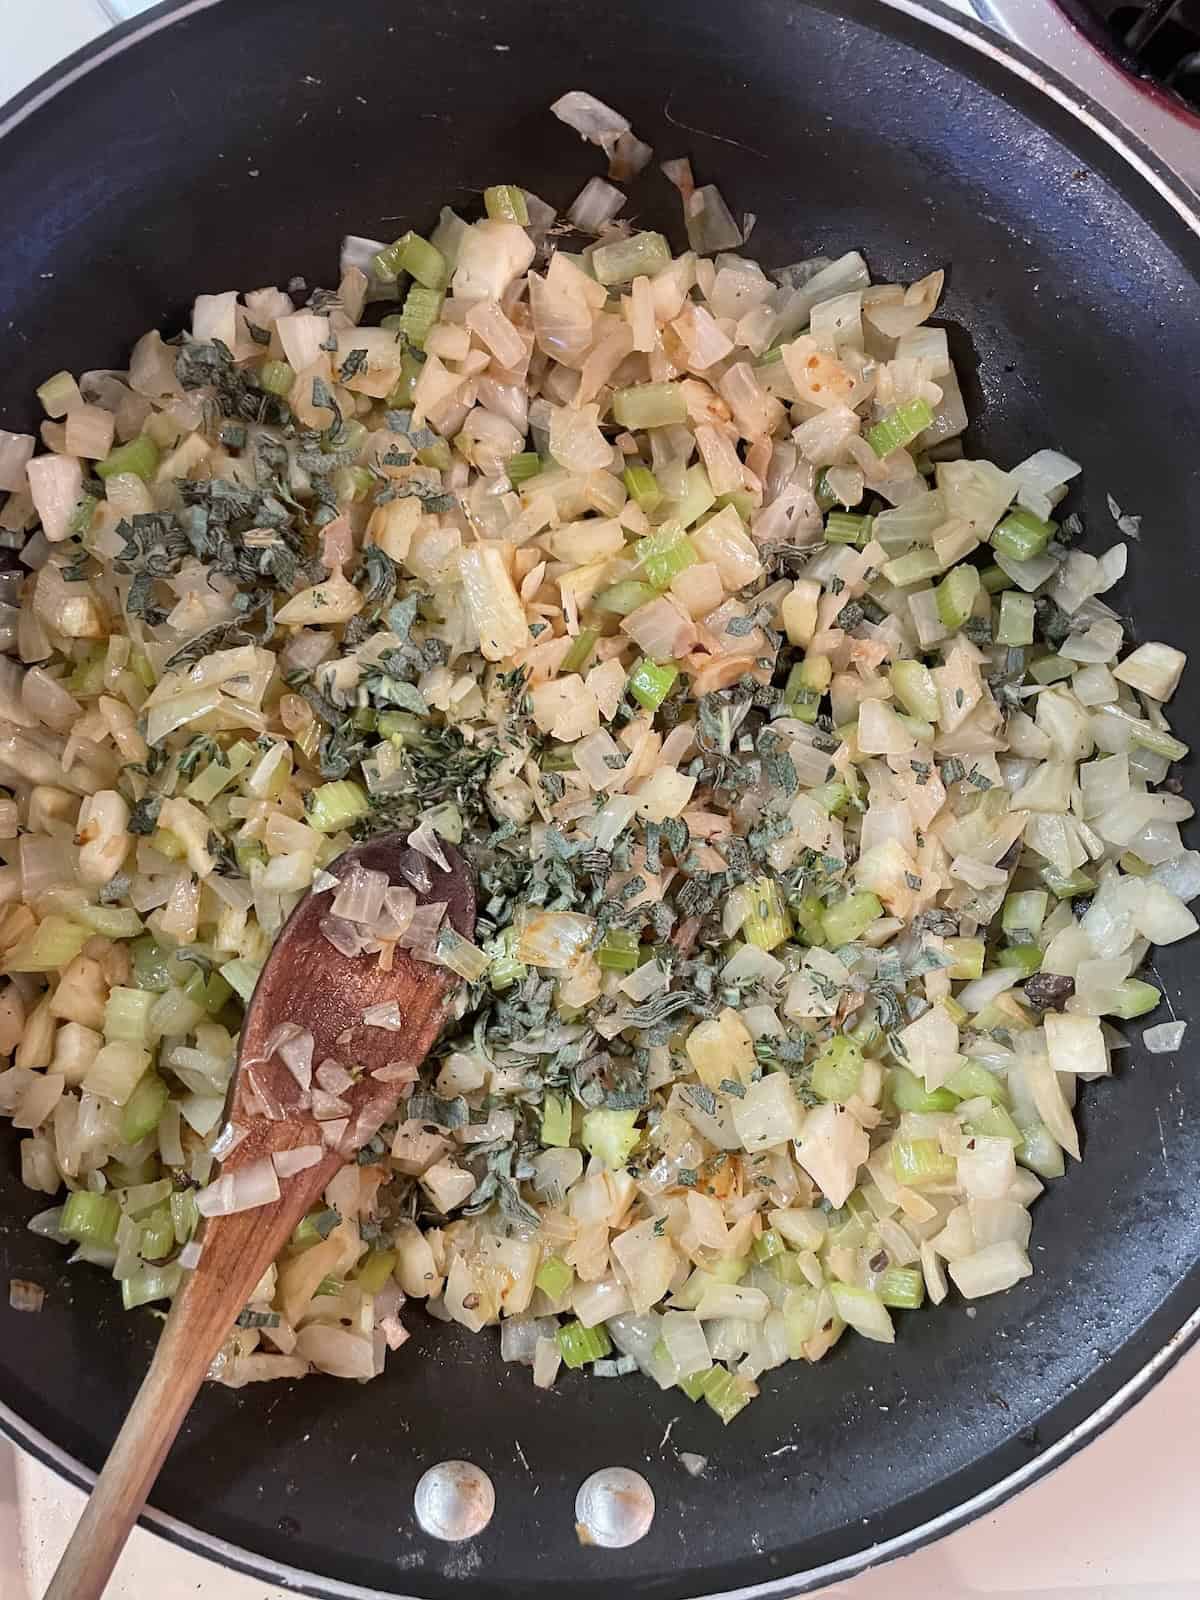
(305, 981)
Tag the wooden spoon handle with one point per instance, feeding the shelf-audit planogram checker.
(162, 1402)
(236, 1250)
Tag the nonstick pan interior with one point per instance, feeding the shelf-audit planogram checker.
(234, 147)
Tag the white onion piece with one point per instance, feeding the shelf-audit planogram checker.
(1164, 1037)
(424, 841)
(597, 203)
(386, 1015)
(288, 1162)
(591, 118)
(343, 936)
(16, 451)
(243, 1190)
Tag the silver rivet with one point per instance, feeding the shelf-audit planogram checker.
(454, 1501)
(614, 1508)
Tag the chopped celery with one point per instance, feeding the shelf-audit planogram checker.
(833, 797)
(414, 255)
(727, 1394)
(650, 684)
(53, 945)
(902, 1288)
(334, 806)
(524, 465)
(837, 1071)
(807, 682)
(158, 1235)
(247, 852)
(556, 1120)
(140, 1113)
(219, 774)
(554, 1277)
(151, 965)
(151, 1283)
(127, 1012)
(313, 1228)
(642, 255)
(994, 579)
(957, 1013)
(1158, 741)
(995, 1123)
(665, 554)
(82, 516)
(618, 952)
(698, 496)
(910, 1094)
(90, 1218)
(822, 493)
(241, 976)
(624, 597)
(956, 595)
(504, 202)
(768, 1245)
(742, 502)
(1067, 888)
(1015, 626)
(1025, 958)
(848, 919)
(114, 922)
(768, 923)
(643, 488)
(579, 1345)
(422, 308)
(185, 1214)
(375, 1271)
(649, 405)
(915, 689)
(900, 428)
(401, 392)
(1040, 1151)
(1052, 668)
(87, 679)
(845, 527)
(140, 455)
(973, 1082)
(693, 1385)
(58, 394)
(1135, 998)
(276, 377)
(914, 567)
(1025, 911)
(809, 915)
(1021, 536)
(610, 1136)
(967, 957)
(916, 1162)
(580, 653)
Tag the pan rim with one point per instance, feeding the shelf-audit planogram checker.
(237, 1558)
(1125, 143)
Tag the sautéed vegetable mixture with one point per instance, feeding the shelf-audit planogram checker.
(820, 812)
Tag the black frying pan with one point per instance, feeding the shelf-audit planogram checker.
(214, 146)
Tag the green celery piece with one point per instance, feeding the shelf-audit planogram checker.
(556, 1121)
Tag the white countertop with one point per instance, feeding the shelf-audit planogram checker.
(1117, 1522)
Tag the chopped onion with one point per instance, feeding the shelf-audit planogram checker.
(596, 204)
(244, 1190)
(591, 118)
(288, 1162)
(1164, 1037)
